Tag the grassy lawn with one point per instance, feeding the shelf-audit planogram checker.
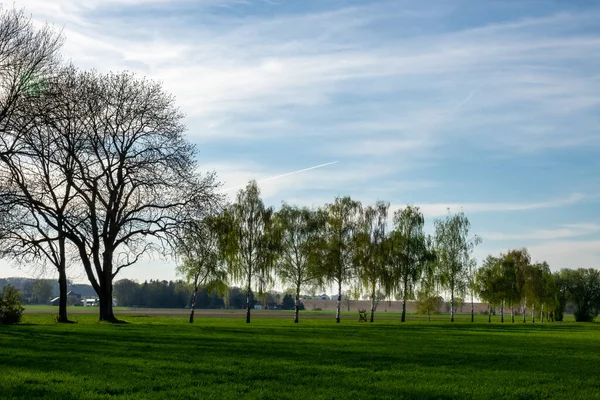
(221, 358)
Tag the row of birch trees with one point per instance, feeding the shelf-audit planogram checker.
(341, 244)
(370, 249)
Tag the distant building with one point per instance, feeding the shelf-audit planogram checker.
(258, 306)
(72, 298)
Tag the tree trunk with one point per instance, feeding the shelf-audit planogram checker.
(404, 302)
(339, 303)
(512, 312)
(297, 305)
(489, 312)
(106, 306)
(472, 308)
(62, 278)
(62, 301)
(429, 316)
(524, 312)
(542, 313)
(193, 307)
(502, 311)
(452, 306)
(248, 306)
(533, 313)
(372, 305)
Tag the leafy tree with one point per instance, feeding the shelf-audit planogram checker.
(561, 294)
(452, 243)
(42, 291)
(428, 302)
(249, 241)
(583, 288)
(202, 265)
(371, 251)
(489, 282)
(408, 252)
(301, 233)
(338, 254)
(11, 308)
(288, 302)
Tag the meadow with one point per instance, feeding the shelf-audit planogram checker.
(155, 357)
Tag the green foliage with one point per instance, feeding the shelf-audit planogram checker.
(11, 308)
(343, 218)
(453, 249)
(371, 254)
(428, 303)
(301, 237)
(583, 289)
(409, 252)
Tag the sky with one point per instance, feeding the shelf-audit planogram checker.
(488, 106)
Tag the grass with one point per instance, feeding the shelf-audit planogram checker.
(223, 358)
(30, 307)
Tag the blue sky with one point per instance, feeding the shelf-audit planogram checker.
(489, 105)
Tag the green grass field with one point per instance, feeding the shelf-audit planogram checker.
(221, 358)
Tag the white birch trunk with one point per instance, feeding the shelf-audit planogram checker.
(339, 303)
(502, 311)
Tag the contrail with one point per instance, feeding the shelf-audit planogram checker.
(466, 99)
(272, 178)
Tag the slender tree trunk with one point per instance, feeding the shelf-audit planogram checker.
(452, 305)
(193, 307)
(429, 316)
(373, 304)
(525, 311)
(489, 312)
(339, 302)
(542, 314)
(404, 302)
(502, 311)
(248, 305)
(297, 305)
(533, 313)
(512, 312)
(472, 308)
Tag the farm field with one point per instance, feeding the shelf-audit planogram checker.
(216, 358)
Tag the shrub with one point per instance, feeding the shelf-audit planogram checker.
(11, 308)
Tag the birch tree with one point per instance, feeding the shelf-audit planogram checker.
(250, 242)
(301, 235)
(201, 262)
(408, 252)
(451, 241)
(371, 251)
(342, 222)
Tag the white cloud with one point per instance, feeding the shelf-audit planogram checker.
(438, 209)
(566, 231)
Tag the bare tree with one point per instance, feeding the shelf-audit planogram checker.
(28, 56)
(123, 174)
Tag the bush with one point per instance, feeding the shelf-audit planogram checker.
(11, 308)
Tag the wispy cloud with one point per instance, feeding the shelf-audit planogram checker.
(565, 231)
(437, 209)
